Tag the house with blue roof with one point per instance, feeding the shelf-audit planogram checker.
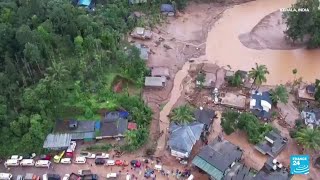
(183, 137)
(260, 104)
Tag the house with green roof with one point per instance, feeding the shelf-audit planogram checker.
(218, 160)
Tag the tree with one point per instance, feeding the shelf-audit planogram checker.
(258, 74)
(279, 94)
(229, 121)
(236, 80)
(304, 24)
(309, 138)
(182, 115)
(200, 79)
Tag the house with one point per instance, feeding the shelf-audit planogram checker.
(244, 75)
(114, 124)
(274, 143)
(238, 171)
(307, 93)
(160, 72)
(57, 142)
(144, 51)
(205, 116)
(232, 100)
(183, 137)
(155, 82)
(260, 104)
(141, 33)
(311, 117)
(217, 158)
(274, 170)
(311, 89)
(209, 81)
(79, 130)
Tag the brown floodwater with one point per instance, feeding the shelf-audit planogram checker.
(225, 48)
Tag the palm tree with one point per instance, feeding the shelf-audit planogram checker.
(258, 74)
(280, 93)
(309, 138)
(182, 115)
(236, 79)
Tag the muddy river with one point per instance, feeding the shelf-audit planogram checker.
(225, 48)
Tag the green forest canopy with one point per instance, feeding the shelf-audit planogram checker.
(55, 57)
(304, 24)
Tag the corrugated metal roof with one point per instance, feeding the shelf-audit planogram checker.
(57, 141)
(155, 81)
(209, 169)
(83, 135)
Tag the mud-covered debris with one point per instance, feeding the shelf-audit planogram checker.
(167, 46)
(157, 43)
(161, 39)
(152, 52)
(172, 39)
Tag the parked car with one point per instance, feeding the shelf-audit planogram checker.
(102, 156)
(5, 176)
(51, 177)
(148, 172)
(58, 157)
(17, 157)
(90, 177)
(31, 176)
(135, 163)
(43, 163)
(110, 162)
(66, 177)
(80, 160)
(87, 155)
(29, 156)
(84, 172)
(27, 162)
(73, 145)
(121, 163)
(65, 161)
(141, 33)
(11, 162)
(100, 161)
(111, 175)
(45, 157)
(20, 177)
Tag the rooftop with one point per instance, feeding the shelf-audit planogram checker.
(272, 170)
(260, 104)
(113, 125)
(234, 100)
(217, 157)
(62, 126)
(304, 95)
(205, 116)
(238, 172)
(183, 137)
(273, 144)
(160, 71)
(155, 81)
(311, 116)
(311, 89)
(57, 141)
(144, 51)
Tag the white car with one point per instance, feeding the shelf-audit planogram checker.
(5, 176)
(66, 177)
(72, 147)
(102, 156)
(111, 175)
(65, 161)
(87, 155)
(80, 160)
(16, 157)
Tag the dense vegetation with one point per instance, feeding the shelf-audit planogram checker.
(58, 61)
(279, 94)
(182, 114)
(232, 120)
(304, 24)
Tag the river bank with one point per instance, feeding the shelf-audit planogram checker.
(193, 39)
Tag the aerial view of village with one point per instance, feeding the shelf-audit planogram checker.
(160, 89)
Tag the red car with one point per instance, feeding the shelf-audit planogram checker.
(135, 163)
(121, 163)
(69, 154)
(46, 157)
